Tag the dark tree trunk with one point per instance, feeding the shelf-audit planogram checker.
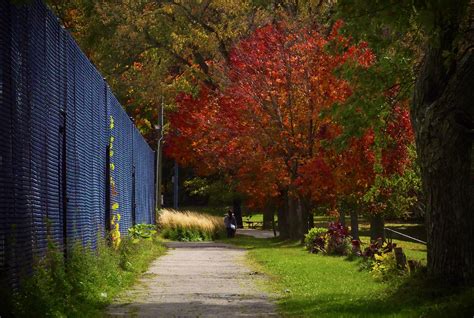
(301, 220)
(292, 217)
(342, 216)
(310, 220)
(304, 222)
(296, 218)
(442, 116)
(308, 215)
(237, 208)
(283, 226)
(354, 224)
(267, 217)
(274, 227)
(376, 227)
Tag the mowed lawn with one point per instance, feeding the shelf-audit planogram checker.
(309, 285)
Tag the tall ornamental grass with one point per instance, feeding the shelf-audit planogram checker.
(190, 226)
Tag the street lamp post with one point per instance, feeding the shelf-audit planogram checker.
(159, 156)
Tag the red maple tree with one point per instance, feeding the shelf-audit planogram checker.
(266, 126)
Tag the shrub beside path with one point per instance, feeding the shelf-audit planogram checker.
(203, 279)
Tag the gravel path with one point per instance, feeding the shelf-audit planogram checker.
(197, 280)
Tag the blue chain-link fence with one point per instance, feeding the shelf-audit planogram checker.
(62, 164)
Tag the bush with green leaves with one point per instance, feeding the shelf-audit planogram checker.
(142, 231)
(315, 240)
(186, 235)
(396, 194)
(335, 240)
(82, 284)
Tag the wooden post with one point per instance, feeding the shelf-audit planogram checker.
(400, 258)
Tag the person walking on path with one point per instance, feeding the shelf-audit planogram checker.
(230, 223)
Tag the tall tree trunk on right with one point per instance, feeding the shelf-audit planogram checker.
(443, 120)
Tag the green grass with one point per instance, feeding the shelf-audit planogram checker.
(84, 284)
(311, 285)
(253, 217)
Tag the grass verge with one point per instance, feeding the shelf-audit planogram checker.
(324, 286)
(85, 283)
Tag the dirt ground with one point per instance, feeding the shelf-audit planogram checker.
(197, 280)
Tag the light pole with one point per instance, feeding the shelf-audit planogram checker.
(159, 156)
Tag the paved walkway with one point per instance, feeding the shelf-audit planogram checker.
(256, 233)
(197, 280)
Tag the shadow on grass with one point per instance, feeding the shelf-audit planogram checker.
(413, 298)
(254, 243)
(401, 297)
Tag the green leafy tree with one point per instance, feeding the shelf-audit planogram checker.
(218, 192)
(441, 37)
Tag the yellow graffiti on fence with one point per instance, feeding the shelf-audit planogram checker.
(115, 218)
